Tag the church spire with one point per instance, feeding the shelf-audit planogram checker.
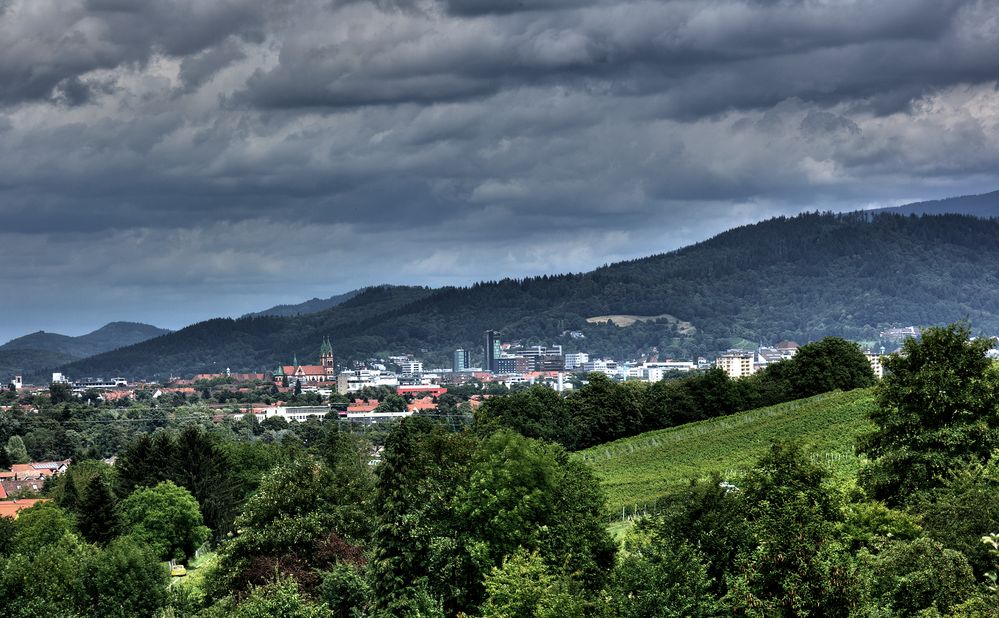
(326, 359)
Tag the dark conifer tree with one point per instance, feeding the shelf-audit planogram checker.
(134, 465)
(202, 467)
(97, 520)
(70, 497)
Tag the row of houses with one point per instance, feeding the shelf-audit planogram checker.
(26, 479)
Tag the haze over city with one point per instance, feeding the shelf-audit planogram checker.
(168, 162)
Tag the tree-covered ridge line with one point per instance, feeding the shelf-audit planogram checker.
(30, 353)
(799, 278)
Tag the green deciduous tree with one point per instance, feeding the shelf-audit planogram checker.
(830, 364)
(662, 578)
(795, 566)
(938, 409)
(912, 577)
(126, 580)
(523, 587)
(525, 494)
(306, 516)
(47, 580)
(345, 592)
(16, 450)
(538, 412)
(41, 525)
(165, 518)
(391, 403)
(959, 511)
(280, 599)
(421, 467)
(60, 392)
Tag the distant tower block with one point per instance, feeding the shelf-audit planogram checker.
(326, 358)
(18, 383)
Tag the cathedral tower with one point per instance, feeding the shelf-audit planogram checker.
(326, 359)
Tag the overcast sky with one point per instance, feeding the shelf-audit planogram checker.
(168, 161)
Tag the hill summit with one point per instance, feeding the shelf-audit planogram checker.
(800, 278)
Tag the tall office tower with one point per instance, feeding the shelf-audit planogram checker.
(462, 361)
(493, 351)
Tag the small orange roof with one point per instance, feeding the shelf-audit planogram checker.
(360, 406)
(426, 403)
(3, 493)
(9, 508)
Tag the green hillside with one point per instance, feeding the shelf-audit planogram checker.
(36, 354)
(799, 278)
(640, 469)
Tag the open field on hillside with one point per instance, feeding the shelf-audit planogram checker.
(682, 327)
(638, 470)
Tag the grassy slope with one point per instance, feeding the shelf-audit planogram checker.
(640, 469)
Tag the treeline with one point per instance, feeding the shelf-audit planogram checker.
(79, 430)
(603, 410)
(801, 278)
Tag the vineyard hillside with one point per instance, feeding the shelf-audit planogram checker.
(636, 471)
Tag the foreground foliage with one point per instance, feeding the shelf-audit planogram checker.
(491, 523)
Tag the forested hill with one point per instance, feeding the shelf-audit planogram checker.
(248, 343)
(797, 278)
(40, 350)
(108, 337)
(984, 205)
(314, 305)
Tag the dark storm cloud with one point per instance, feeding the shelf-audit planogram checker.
(47, 46)
(199, 155)
(705, 56)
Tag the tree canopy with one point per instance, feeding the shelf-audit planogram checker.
(938, 410)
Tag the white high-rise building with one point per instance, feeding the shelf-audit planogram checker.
(736, 363)
(411, 367)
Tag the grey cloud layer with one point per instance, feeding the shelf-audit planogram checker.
(188, 146)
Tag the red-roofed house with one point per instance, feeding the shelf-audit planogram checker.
(421, 389)
(39, 469)
(361, 406)
(10, 508)
(17, 487)
(422, 405)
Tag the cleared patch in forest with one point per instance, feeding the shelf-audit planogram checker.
(682, 327)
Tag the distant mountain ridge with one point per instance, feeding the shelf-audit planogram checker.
(985, 205)
(314, 305)
(798, 278)
(41, 350)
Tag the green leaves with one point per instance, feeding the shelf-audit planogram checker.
(165, 518)
(938, 410)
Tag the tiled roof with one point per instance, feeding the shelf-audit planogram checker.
(425, 403)
(9, 508)
(360, 406)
